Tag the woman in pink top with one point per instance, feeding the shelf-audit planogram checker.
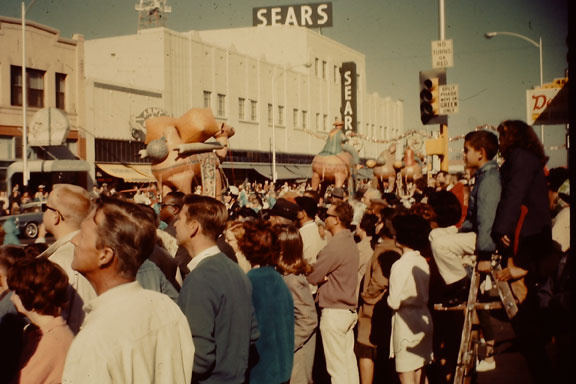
(39, 288)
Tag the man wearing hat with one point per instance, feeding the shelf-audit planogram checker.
(41, 195)
(284, 212)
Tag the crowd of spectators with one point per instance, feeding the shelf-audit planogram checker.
(280, 284)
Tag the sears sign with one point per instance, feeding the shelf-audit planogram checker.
(304, 15)
(348, 78)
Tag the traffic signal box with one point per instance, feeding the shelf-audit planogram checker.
(439, 146)
(430, 82)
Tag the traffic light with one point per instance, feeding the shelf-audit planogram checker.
(439, 147)
(430, 82)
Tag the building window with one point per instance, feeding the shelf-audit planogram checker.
(317, 121)
(35, 86)
(324, 70)
(325, 123)
(221, 105)
(316, 69)
(304, 119)
(241, 108)
(7, 148)
(253, 110)
(280, 115)
(270, 114)
(60, 90)
(295, 117)
(207, 99)
(336, 73)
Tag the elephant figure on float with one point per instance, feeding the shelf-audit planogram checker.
(336, 163)
(181, 158)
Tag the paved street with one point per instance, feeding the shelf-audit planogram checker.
(510, 365)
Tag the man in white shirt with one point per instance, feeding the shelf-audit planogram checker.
(67, 205)
(130, 334)
(311, 239)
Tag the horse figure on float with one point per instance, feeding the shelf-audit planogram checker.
(336, 163)
(180, 156)
(383, 169)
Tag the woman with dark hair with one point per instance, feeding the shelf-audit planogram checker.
(411, 343)
(522, 229)
(11, 322)
(371, 342)
(293, 267)
(273, 306)
(39, 288)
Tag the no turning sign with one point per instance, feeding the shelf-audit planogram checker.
(448, 95)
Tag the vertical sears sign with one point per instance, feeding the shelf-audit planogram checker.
(348, 81)
(316, 15)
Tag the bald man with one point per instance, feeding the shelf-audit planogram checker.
(66, 207)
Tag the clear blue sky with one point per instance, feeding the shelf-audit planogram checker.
(395, 36)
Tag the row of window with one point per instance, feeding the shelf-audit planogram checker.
(321, 70)
(35, 86)
(299, 117)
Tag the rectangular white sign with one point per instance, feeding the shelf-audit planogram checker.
(442, 53)
(448, 95)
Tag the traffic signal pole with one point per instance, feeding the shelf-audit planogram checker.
(443, 127)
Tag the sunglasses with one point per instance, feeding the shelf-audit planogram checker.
(46, 207)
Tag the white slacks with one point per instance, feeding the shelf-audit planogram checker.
(337, 329)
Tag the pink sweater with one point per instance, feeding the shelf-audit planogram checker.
(45, 352)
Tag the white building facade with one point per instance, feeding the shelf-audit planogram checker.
(277, 86)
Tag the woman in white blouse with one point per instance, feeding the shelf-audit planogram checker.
(411, 341)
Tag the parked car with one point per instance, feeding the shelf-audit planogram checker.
(28, 219)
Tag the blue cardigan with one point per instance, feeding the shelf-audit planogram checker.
(275, 314)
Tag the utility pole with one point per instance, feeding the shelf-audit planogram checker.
(443, 127)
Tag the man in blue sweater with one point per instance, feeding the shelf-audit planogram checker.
(216, 296)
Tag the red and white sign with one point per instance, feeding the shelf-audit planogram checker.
(544, 107)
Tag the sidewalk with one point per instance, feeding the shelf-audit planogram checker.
(511, 367)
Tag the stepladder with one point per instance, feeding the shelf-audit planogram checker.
(468, 351)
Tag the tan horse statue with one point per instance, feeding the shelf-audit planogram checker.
(181, 157)
(384, 170)
(411, 168)
(333, 164)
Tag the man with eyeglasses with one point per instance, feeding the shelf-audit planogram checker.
(67, 205)
(336, 274)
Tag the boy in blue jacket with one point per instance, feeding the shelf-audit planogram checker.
(449, 245)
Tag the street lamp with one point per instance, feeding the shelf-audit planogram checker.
(25, 171)
(274, 76)
(538, 45)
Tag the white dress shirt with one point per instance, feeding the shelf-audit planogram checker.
(131, 335)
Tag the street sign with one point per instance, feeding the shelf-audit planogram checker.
(448, 99)
(442, 54)
(547, 106)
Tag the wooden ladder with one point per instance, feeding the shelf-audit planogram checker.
(467, 353)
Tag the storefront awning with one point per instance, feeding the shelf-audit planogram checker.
(130, 173)
(45, 166)
(283, 171)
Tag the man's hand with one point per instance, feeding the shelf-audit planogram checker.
(505, 240)
(511, 273)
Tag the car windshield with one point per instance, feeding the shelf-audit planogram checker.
(33, 207)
